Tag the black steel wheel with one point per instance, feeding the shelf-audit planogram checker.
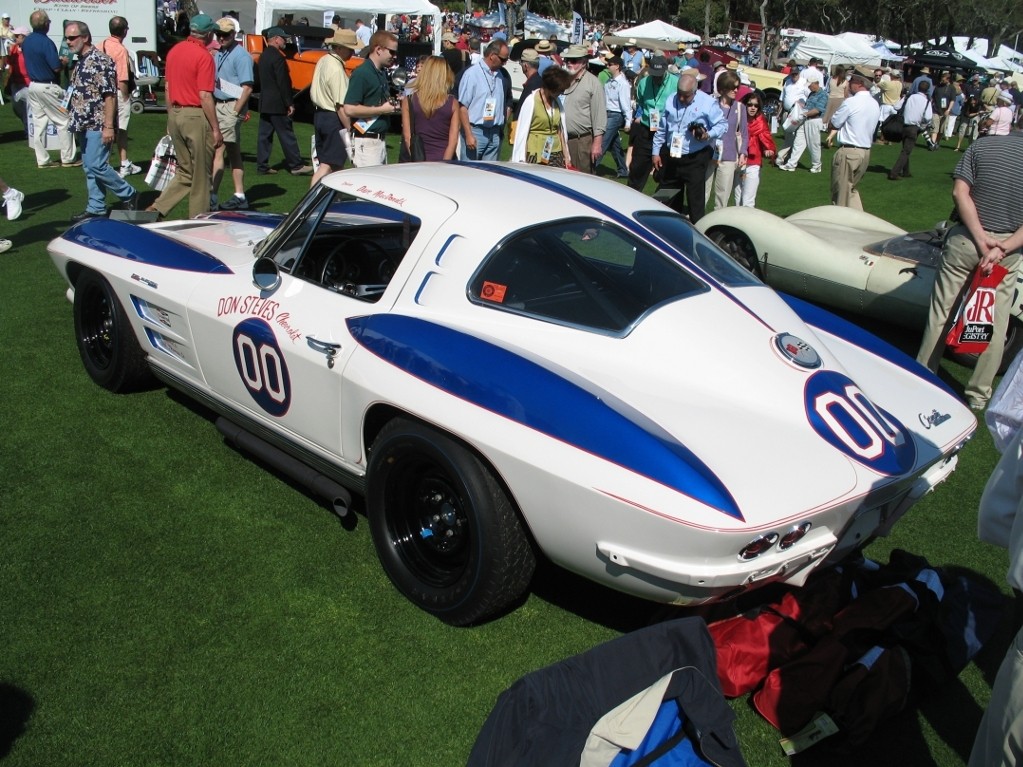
(737, 245)
(106, 342)
(445, 531)
(1013, 344)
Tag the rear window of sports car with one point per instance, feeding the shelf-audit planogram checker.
(584, 273)
(679, 233)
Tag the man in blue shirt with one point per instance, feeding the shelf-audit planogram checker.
(482, 105)
(683, 144)
(45, 96)
(235, 79)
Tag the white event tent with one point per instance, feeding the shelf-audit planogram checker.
(833, 50)
(659, 30)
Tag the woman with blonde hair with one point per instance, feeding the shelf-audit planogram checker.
(541, 137)
(429, 113)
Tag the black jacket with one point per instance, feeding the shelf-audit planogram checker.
(545, 718)
(275, 94)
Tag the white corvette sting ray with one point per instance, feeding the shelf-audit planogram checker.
(511, 361)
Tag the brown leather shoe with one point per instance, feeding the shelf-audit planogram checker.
(305, 170)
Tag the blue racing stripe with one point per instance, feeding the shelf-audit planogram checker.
(523, 391)
(144, 246)
(256, 218)
(831, 323)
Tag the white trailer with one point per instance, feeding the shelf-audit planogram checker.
(141, 16)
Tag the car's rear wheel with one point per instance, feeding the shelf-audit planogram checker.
(737, 245)
(1013, 344)
(106, 342)
(445, 531)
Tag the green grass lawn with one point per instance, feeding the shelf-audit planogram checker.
(166, 601)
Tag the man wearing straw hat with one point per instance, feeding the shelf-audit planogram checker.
(328, 90)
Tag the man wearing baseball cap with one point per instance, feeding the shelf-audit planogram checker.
(652, 92)
(276, 106)
(330, 85)
(191, 119)
(234, 86)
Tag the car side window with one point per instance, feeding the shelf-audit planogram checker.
(585, 273)
(681, 235)
(286, 241)
(348, 245)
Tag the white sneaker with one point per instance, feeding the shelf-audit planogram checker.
(5, 245)
(12, 200)
(788, 168)
(815, 169)
(128, 169)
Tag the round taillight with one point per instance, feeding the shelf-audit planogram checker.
(793, 535)
(757, 546)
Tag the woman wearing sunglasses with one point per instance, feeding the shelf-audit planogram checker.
(761, 145)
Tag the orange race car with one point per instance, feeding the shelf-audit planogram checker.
(303, 50)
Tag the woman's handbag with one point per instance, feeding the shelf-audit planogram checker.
(416, 152)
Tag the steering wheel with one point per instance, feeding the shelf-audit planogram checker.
(354, 265)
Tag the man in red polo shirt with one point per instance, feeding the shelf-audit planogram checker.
(191, 119)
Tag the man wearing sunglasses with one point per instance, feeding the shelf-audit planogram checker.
(482, 104)
(92, 113)
(367, 102)
(231, 96)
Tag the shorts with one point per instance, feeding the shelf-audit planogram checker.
(228, 121)
(329, 149)
(123, 111)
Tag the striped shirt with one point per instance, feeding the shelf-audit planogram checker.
(993, 167)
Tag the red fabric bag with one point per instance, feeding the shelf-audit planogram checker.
(975, 318)
(750, 646)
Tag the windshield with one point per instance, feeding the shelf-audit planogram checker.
(581, 272)
(680, 234)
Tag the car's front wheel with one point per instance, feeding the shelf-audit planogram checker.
(1013, 344)
(106, 342)
(736, 244)
(446, 533)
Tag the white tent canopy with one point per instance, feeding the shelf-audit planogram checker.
(833, 50)
(659, 30)
(268, 10)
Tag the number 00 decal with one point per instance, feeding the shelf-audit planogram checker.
(261, 366)
(841, 414)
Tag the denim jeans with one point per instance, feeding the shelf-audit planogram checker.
(100, 178)
(613, 141)
(488, 143)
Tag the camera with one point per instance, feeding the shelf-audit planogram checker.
(696, 128)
